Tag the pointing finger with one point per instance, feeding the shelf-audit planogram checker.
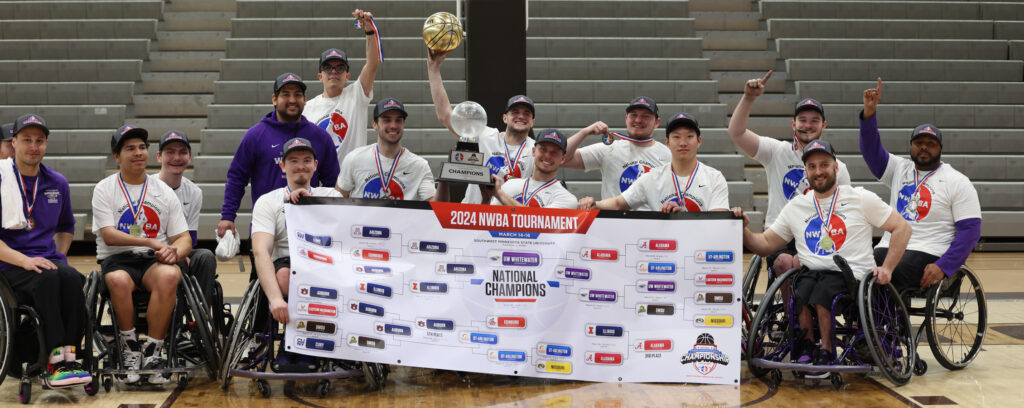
(879, 84)
(766, 76)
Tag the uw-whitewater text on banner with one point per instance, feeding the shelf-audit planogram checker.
(517, 291)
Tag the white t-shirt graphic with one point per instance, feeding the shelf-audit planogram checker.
(161, 215)
(622, 163)
(359, 176)
(539, 195)
(708, 190)
(344, 117)
(493, 146)
(785, 172)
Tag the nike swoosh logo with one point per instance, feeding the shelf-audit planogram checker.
(701, 185)
(405, 173)
(274, 146)
(843, 204)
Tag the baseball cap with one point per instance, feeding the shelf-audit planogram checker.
(682, 119)
(927, 129)
(174, 136)
(7, 131)
(809, 104)
(333, 54)
(521, 100)
(552, 136)
(818, 146)
(127, 132)
(388, 104)
(297, 143)
(288, 78)
(643, 102)
(30, 120)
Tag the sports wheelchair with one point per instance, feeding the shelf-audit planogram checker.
(250, 350)
(22, 353)
(955, 319)
(192, 341)
(870, 325)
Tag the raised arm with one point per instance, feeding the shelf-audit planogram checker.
(369, 72)
(745, 139)
(442, 106)
(870, 140)
(573, 158)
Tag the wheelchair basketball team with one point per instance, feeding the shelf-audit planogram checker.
(146, 224)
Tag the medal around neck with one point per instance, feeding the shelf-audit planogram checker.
(466, 164)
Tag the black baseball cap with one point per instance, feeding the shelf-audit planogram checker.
(927, 129)
(818, 146)
(682, 119)
(521, 100)
(297, 143)
(30, 120)
(174, 136)
(288, 78)
(554, 137)
(388, 104)
(643, 102)
(127, 132)
(6, 131)
(333, 54)
(809, 104)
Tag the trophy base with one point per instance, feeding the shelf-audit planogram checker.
(465, 173)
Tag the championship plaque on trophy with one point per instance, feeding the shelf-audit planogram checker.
(466, 164)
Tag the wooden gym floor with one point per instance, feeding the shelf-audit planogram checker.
(992, 380)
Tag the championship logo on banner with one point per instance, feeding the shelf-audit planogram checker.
(580, 295)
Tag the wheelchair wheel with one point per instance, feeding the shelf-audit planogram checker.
(888, 330)
(375, 374)
(769, 336)
(749, 282)
(243, 332)
(957, 319)
(202, 334)
(6, 332)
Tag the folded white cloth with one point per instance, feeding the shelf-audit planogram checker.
(12, 217)
(227, 246)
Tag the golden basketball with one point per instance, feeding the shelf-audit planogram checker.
(442, 32)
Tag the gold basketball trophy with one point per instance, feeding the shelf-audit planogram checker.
(442, 32)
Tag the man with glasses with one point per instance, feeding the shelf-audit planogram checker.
(341, 110)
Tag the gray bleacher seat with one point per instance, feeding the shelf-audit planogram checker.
(611, 8)
(901, 9)
(85, 93)
(81, 9)
(406, 91)
(422, 9)
(74, 49)
(1016, 50)
(79, 169)
(941, 115)
(619, 26)
(81, 221)
(71, 70)
(355, 45)
(213, 198)
(904, 70)
(602, 47)
(873, 48)
(599, 69)
(260, 69)
(988, 167)
(731, 166)
(1009, 30)
(78, 28)
(955, 141)
(390, 27)
(904, 92)
(611, 91)
(210, 168)
(878, 28)
(71, 116)
(79, 141)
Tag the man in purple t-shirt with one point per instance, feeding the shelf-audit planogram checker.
(257, 159)
(33, 259)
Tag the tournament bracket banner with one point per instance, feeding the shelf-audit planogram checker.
(585, 295)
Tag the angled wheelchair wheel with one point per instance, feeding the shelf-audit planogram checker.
(888, 330)
(6, 332)
(749, 283)
(199, 328)
(769, 336)
(242, 333)
(957, 319)
(375, 374)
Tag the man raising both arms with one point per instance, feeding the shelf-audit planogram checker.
(685, 184)
(341, 109)
(781, 159)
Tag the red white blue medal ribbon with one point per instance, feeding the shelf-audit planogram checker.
(513, 164)
(35, 189)
(134, 207)
(385, 185)
(376, 34)
(526, 187)
(689, 181)
(919, 181)
(831, 209)
(608, 138)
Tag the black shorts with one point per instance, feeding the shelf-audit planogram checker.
(790, 248)
(816, 287)
(282, 262)
(909, 270)
(135, 264)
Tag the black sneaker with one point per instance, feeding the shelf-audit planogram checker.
(153, 361)
(131, 359)
(803, 352)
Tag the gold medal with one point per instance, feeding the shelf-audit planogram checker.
(30, 224)
(826, 243)
(135, 230)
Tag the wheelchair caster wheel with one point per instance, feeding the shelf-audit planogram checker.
(93, 387)
(920, 367)
(25, 392)
(837, 380)
(108, 383)
(183, 381)
(263, 388)
(323, 388)
(774, 378)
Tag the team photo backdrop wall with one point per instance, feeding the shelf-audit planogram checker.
(584, 295)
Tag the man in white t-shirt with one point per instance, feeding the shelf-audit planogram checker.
(341, 109)
(939, 202)
(174, 155)
(695, 186)
(141, 242)
(833, 220)
(781, 160)
(270, 237)
(621, 162)
(542, 188)
(506, 153)
(386, 170)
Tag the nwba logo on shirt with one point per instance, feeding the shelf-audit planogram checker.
(148, 219)
(630, 174)
(821, 243)
(914, 207)
(336, 126)
(690, 206)
(496, 164)
(373, 190)
(794, 182)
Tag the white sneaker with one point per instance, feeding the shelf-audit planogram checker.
(131, 357)
(153, 361)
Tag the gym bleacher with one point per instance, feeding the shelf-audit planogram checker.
(206, 67)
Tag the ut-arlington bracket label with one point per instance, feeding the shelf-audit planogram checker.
(517, 291)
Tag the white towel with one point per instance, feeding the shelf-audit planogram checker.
(12, 217)
(227, 246)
